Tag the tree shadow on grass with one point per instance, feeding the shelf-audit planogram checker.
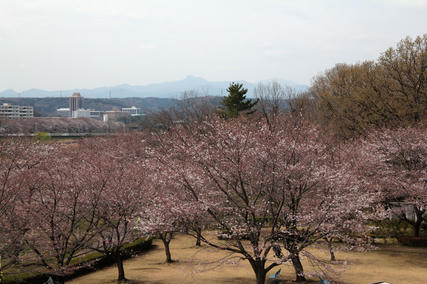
(279, 281)
(144, 268)
(237, 280)
(139, 281)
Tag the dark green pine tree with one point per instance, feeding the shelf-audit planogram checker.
(236, 102)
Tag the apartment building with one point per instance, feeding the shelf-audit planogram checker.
(16, 112)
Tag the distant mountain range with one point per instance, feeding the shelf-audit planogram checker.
(173, 89)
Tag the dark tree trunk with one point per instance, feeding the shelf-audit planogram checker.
(260, 277)
(299, 271)
(331, 249)
(419, 221)
(258, 268)
(166, 238)
(168, 252)
(199, 236)
(416, 224)
(417, 227)
(121, 270)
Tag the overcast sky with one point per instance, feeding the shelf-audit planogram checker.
(61, 44)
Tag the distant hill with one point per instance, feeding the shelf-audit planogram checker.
(173, 89)
(47, 106)
(57, 125)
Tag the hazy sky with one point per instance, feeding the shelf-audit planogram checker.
(64, 44)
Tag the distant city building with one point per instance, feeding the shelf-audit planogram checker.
(75, 103)
(16, 112)
(134, 111)
(63, 112)
(115, 114)
(87, 113)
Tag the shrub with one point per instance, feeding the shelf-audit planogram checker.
(413, 241)
(42, 136)
(87, 264)
(389, 229)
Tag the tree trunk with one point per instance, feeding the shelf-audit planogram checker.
(418, 221)
(260, 273)
(167, 249)
(299, 271)
(331, 250)
(416, 224)
(417, 227)
(119, 262)
(260, 277)
(199, 236)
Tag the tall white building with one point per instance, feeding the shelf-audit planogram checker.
(16, 112)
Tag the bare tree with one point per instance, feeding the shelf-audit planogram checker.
(273, 99)
(193, 106)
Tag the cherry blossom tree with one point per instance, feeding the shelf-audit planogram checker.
(171, 201)
(161, 219)
(351, 225)
(397, 164)
(16, 159)
(79, 198)
(273, 186)
(58, 206)
(165, 210)
(124, 169)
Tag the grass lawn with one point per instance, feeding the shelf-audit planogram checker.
(205, 265)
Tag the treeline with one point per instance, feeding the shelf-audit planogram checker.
(58, 125)
(350, 99)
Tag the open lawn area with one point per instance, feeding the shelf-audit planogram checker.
(394, 264)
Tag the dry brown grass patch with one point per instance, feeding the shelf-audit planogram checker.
(206, 265)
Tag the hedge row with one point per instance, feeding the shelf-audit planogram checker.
(87, 264)
(413, 241)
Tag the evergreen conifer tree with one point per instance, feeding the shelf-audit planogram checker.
(236, 102)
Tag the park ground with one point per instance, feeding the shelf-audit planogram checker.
(205, 265)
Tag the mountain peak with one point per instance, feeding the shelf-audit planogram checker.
(194, 78)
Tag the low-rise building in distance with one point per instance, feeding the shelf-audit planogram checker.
(114, 115)
(86, 113)
(133, 110)
(16, 112)
(63, 112)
